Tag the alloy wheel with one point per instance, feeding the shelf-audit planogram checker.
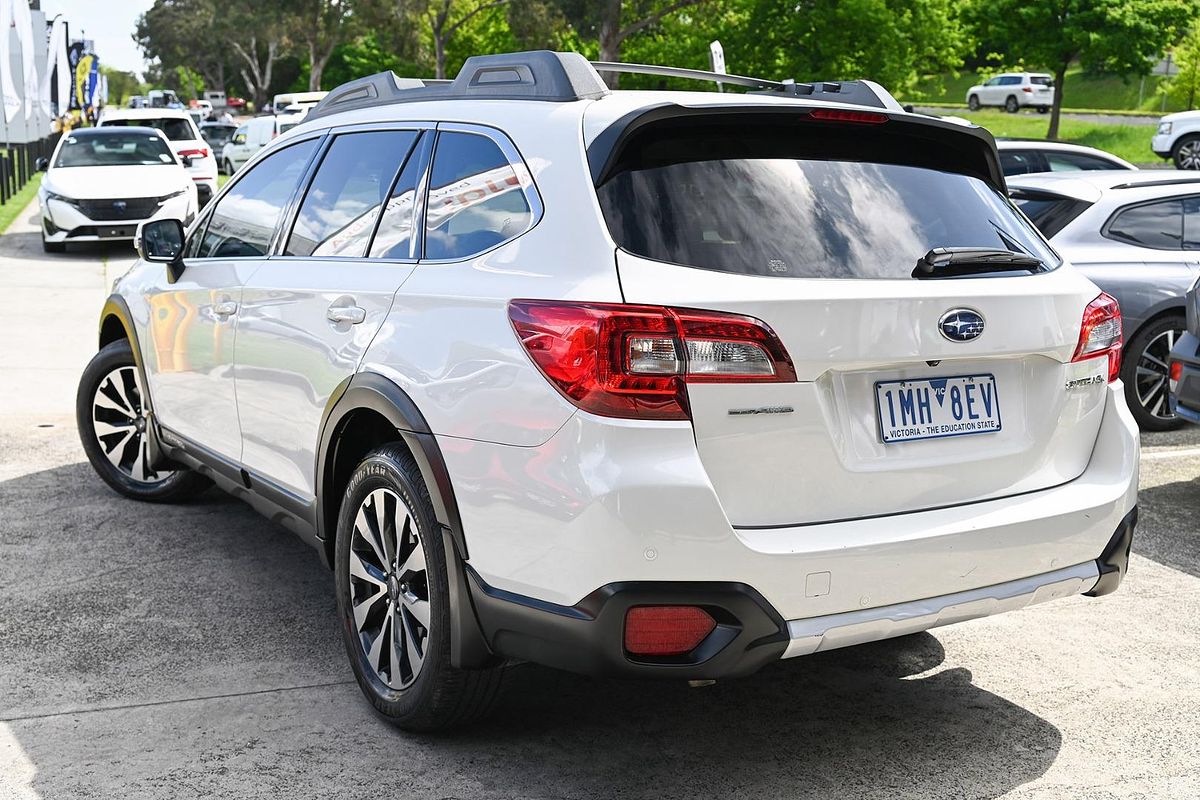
(120, 421)
(1189, 154)
(389, 588)
(1153, 373)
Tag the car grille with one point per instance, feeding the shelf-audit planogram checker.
(132, 208)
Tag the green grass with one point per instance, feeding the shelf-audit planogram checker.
(1130, 142)
(1090, 92)
(16, 204)
(222, 180)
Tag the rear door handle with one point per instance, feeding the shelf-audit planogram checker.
(224, 308)
(351, 314)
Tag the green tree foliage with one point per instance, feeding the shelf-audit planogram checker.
(1122, 37)
(1184, 87)
(121, 85)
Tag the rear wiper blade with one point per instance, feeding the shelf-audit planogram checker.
(946, 262)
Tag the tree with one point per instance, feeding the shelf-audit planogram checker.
(1184, 86)
(1122, 37)
(257, 32)
(322, 25)
(185, 33)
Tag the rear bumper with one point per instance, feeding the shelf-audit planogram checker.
(610, 504)
(1185, 400)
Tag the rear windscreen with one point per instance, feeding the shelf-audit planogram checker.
(801, 207)
(1049, 212)
(1041, 80)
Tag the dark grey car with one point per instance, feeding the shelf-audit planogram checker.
(1137, 236)
(1185, 363)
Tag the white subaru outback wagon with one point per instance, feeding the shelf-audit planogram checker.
(657, 384)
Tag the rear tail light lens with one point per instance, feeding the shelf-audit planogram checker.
(635, 361)
(1027, 89)
(201, 153)
(1100, 334)
(666, 630)
(1175, 375)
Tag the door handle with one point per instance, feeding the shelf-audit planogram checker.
(351, 314)
(224, 308)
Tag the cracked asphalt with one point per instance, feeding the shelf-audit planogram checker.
(191, 651)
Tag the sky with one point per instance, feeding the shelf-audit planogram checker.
(110, 23)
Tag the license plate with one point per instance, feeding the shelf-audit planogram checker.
(935, 408)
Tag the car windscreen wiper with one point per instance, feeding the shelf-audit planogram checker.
(953, 262)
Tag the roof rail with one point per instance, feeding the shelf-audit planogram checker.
(563, 77)
(860, 93)
(533, 75)
(1159, 182)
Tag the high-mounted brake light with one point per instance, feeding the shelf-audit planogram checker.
(1100, 334)
(843, 115)
(635, 361)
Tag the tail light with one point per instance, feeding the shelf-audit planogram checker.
(196, 152)
(666, 630)
(1027, 89)
(1174, 376)
(634, 361)
(1100, 334)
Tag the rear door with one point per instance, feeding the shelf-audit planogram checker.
(894, 408)
(309, 312)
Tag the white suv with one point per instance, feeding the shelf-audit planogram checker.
(184, 137)
(1013, 91)
(1178, 138)
(658, 384)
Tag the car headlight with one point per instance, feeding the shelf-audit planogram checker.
(1164, 128)
(68, 200)
(167, 197)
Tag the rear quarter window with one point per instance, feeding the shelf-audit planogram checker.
(1158, 225)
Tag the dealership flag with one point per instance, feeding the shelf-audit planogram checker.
(12, 100)
(23, 21)
(57, 67)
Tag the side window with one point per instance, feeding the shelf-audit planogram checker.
(476, 199)
(245, 218)
(1020, 162)
(993, 82)
(1191, 223)
(1010, 80)
(395, 230)
(1158, 225)
(192, 247)
(343, 200)
(1074, 162)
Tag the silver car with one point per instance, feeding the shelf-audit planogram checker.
(1137, 236)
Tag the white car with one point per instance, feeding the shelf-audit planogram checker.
(1024, 156)
(252, 136)
(101, 182)
(653, 384)
(1178, 138)
(183, 134)
(1013, 91)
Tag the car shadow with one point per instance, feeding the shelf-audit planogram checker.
(1168, 528)
(230, 598)
(26, 242)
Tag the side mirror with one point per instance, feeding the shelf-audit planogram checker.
(239, 139)
(161, 241)
(42, 164)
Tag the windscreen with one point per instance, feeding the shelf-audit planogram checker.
(175, 129)
(112, 150)
(804, 207)
(1041, 80)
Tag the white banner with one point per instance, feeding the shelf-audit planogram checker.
(12, 100)
(23, 22)
(57, 55)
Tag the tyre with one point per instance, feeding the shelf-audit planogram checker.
(1043, 109)
(228, 167)
(113, 423)
(1011, 105)
(1186, 154)
(393, 600)
(1144, 372)
(973, 102)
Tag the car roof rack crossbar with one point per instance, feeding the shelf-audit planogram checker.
(532, 75)
(563, 77)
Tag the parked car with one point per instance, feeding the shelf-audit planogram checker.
(1013, 91)
(252, 136)
(139, 101)
(281, 102)
(550, 373)
(1137, 235)
(217, 134)
(1178, 138)
(1024, 156)
(164, 98)
(1184, 367)
(101, 182)
(235, 102)
(184, 137)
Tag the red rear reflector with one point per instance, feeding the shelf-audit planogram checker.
(843, 115)
(1176, 370)
(1100, 334)
(634, 361)
(666, 630)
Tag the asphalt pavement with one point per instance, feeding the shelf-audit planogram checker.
(186, 651)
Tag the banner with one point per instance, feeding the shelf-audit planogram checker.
(23, 22)
(74, 55)
(58, 74)
(12, 100)
(82, 71)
